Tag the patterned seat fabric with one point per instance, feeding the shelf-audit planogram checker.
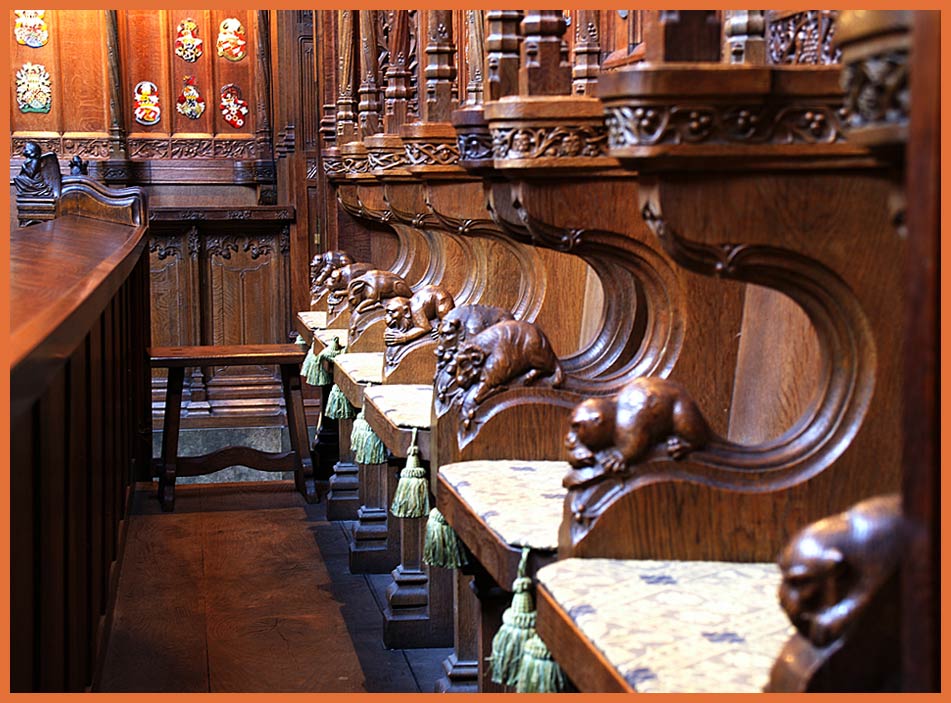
(403, 405)
(521, 501)
(676, 626)
(363, 367)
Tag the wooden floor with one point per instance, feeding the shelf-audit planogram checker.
(246, 588)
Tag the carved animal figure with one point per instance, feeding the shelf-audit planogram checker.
(325, 264)
(372, 287)
(615, 433)
(833, 568)
(410, 319)
(457, 326)
(513, 352)
(339, 280)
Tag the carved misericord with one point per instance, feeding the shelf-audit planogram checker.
(339, 281)
(803, 38)
(459, 325)
(651, 125)
(409, 319)
(542, 142)
(509, 353)
(367, 293)
(613, 434)
(840, 589)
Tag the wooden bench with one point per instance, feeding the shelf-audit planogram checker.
(298, 460)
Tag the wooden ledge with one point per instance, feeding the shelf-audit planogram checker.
(386, 422)
(235, 355)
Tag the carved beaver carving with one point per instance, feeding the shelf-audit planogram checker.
(833, 568)
(374, 286)
(339, 280)
(512, 352)
(457, 326)
(322, 266)
(409, 319)
(614, 433)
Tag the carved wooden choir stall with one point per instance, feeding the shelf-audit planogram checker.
(616, 330)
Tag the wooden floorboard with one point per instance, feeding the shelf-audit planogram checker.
(247, 588)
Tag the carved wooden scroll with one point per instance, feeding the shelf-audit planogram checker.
(840, 589)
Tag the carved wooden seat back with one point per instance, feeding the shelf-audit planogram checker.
(808, 216)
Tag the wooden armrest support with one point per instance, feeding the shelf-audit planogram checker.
(230, 355)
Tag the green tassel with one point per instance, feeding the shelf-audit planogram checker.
(307, 368)
(367, 447)
(538, 672)
(412, 491)
(518, 626)
(323, 372)
(338, 407)
(300, 341)
(443, 546)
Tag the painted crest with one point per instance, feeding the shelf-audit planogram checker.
(233, 108)
(30, 28)
(232, 41)
(190, 102)
(34, 92)
(146, 102)
(187, 44)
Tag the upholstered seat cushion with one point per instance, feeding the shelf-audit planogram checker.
(362, 367)
(314, 319)
(676, 626)
(324, 336)
(403, 405)
(521, 501)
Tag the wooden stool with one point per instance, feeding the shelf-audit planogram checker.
(298, 460)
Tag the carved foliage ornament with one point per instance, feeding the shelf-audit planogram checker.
(474, 146)
(30, 28)
(187, 44)
(432, 154)
(232, 41)
(190, 103)
(34, 90)
(145, 104)
(804, 38)
(651, 125)
(877, 89)
(546, 142)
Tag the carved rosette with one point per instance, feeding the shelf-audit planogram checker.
(549, 131)
(875, 47)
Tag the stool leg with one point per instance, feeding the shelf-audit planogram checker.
(297, 428)
(173, 414)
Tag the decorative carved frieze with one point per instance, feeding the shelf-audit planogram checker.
(148, 148)
(191, 149)
(381, 160)
(432, 154)
(86, 148)
(650, 125)
(234, 149)
(545, 142)
(46, 144)
(333, 165)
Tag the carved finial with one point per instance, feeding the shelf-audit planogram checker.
(745, 36)
(544, 70)
(368, 110)
(37, 185)
(503, 45)
(78, 166)
(440, 69)
(398, 87)
(346, 81)
(614, 434)
(475, 56)
(840, 590)
(587, 51)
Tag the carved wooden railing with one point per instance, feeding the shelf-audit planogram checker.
(80, 426)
